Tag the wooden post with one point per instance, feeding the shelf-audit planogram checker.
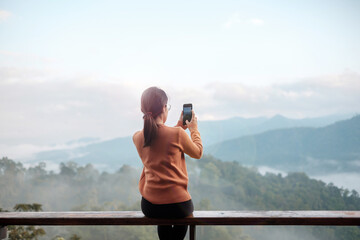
(192, 232)
(3, 232)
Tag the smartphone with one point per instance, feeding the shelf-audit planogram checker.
(187, 114)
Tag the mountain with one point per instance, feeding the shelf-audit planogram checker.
(314, 150)
(107, 155)
(112, 154)
(222, 130)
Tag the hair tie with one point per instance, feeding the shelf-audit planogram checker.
(148, 114)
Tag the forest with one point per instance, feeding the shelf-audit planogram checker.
(213, 185)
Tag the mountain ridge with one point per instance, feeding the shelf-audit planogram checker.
(280, 148)
(116, 152)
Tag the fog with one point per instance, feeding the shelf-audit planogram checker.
(213, 185)
(349, 180)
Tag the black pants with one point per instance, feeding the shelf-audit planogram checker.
(172, 210)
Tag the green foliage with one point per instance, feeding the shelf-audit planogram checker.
(22, 207)
(26, 232)
(58, 238)
(213, 185)
(241, 188)
(75, 237)
(9, 167)
(296, 191)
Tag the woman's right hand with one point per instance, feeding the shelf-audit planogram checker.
(192, 125)
(180, 122)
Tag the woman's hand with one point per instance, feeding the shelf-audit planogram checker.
(192, 125)
(180, 122)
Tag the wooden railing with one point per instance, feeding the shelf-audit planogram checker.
(326, 218)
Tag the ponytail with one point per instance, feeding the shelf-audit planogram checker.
(152, 101)
(150, 130)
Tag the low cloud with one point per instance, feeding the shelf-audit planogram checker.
(4, 15)
(311, 97)
(26, 152)
(40, 107)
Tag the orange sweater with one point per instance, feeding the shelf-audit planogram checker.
(164, 178)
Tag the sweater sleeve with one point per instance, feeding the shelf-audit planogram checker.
(192, 147)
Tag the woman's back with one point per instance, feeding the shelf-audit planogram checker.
(164, 178)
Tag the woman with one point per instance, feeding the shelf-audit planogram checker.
(164, 179)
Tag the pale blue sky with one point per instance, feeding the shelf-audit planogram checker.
(252, 42)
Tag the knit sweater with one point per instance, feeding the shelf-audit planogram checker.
(164, 177)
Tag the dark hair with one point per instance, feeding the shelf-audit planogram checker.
(153, 100)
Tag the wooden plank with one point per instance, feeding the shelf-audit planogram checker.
(338, 218)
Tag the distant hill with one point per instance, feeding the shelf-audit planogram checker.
(106, 155)
(332, 148)
(112, 154)
(218, 131)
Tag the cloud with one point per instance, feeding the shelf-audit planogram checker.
(235, 19)
(40, 107)
(4, 15)
(310, 97)
(44, 107)
(27, 151)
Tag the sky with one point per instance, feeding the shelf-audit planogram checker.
(73, 69)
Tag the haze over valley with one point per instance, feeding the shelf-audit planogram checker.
(326, 148)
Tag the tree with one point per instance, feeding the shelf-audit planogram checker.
(75, 237)
(26, 232)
